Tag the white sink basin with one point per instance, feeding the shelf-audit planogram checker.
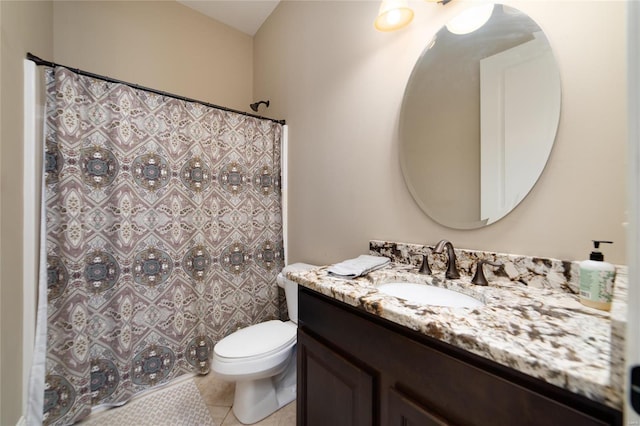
(429, 295)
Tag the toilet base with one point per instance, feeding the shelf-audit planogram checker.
(256, 399)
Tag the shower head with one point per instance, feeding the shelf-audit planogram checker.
(255, 106)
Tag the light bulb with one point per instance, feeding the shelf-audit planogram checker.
(393, 17)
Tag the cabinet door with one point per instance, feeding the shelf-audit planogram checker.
(331, 389)
(405, 412)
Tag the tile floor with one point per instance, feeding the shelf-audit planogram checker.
(218, 395)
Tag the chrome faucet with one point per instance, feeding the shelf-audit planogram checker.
(452, 271)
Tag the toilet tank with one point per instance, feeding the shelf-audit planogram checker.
(291, 288)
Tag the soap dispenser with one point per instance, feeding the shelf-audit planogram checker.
(596, 279)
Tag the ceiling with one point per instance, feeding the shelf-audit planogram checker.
(244, 15)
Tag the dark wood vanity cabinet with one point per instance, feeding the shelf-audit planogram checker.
(355, 368)
(337, 391)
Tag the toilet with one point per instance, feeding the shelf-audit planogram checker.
(261, 359)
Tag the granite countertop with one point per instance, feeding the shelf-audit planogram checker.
(543, 332)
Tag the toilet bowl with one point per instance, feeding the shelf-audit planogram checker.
(261, 359)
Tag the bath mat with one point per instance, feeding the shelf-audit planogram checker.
(176, 405)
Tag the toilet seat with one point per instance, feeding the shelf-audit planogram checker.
(261, 350)
(257, 341)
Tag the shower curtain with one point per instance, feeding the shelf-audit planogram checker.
(163, 235)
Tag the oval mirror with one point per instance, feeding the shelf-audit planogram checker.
(478, 120)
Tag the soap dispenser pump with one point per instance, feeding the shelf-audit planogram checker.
(596, 279)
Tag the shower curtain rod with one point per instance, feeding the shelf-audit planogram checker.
(39, 61)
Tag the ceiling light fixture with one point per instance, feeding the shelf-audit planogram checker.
(396, 14)
(393, 15)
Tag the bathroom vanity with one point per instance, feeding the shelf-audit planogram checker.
(532, 355)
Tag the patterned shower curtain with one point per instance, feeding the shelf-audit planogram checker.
(164, 234)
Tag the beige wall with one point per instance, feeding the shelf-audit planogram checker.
(26, 26)
(158, 44)
(339, 85)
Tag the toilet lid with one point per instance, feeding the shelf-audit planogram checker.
(259, 339)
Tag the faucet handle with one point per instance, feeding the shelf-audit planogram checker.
(478, 277)
(424, 268)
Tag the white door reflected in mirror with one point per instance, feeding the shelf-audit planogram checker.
(519, 90)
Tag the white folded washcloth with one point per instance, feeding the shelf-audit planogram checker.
(357, 267)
